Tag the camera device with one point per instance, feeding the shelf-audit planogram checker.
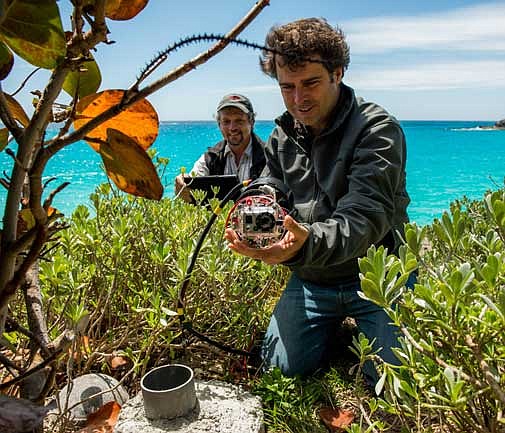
(258, 214)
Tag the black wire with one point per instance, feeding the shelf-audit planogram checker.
(187, 278)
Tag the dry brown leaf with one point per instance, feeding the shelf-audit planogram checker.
(17, 110)
(84, 349)
(129, 166)
(139, 121)
(121, 10)
(103, 420)
(117, 361)
(336, 419)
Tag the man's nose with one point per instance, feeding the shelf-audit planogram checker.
(299, 95)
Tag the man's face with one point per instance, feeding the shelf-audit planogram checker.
(235, 126)
(310, 92)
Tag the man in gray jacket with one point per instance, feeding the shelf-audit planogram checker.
(344, 161)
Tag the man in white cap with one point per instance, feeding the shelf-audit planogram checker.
(241, 150)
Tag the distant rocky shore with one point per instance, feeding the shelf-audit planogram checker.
(498, 125)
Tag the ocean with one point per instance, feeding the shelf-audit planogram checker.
(445, 160)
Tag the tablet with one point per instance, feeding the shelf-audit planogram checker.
(205, 183)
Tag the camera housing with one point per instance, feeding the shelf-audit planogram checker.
(257, 215)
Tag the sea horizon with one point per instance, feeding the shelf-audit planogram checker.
(400, 120)
(445, 161)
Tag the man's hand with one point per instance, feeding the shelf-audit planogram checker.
(181, 190)
(279, 252)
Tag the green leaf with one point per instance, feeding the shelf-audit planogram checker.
(6, 60)
(490, 270)
(371, 291)
(380, 383)
(492, 305)
(85, 81)
(33, 30)
(501, 300)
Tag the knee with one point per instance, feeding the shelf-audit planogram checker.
(294, 362)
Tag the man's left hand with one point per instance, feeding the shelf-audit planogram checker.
(285, 249)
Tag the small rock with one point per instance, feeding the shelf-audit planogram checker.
(85, 386)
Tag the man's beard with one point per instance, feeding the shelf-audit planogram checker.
(238, 141)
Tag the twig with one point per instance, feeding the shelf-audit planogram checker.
(11, 153)
(91, 397)
(15, 326)
(31, 371)
(49, 200)
(30, 75)
(439, 361)
(490, 380)
(8, 363)
(19, 274)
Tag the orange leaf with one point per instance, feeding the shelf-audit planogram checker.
(4, 138)
(6, 61)
(104, 419)
(139, 121)
(51, 211)
(16, 110)
(336, 419)
(26, 221)
(129, 166)
(121, 10)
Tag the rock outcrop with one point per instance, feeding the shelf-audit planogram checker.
(500, 124)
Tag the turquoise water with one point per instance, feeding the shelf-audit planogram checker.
(446, 160)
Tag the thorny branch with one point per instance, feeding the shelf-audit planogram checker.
(133, 95)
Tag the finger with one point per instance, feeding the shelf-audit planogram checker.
(230, 235)
(243, 249)
(297, 229)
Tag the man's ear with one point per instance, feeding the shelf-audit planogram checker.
(338, 75)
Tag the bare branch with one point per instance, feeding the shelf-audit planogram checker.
(30, 75)
(488, 375)
(33, 302)
(8, 363)
(19, 275)
(31, 371)
(16, 160)
(439, 361)
(49, 200)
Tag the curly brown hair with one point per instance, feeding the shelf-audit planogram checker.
(300, 41)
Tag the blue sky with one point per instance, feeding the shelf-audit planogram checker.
(429, 60)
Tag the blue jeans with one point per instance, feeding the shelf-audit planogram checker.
(301, 335)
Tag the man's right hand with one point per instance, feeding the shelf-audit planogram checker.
(293, 240)
(181, 190)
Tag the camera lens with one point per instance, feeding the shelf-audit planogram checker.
(265, 222)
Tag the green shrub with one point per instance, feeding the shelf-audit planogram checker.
(122, 268)
(452, 354)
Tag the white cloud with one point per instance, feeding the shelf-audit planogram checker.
(478, 28)
(475, 35)
(425, 76)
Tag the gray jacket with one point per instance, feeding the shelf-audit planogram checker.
(348, 186)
